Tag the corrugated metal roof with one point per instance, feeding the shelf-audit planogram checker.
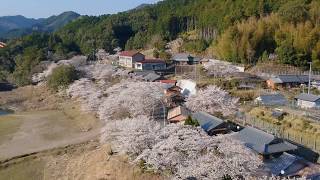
(308, 97)
(207, 121)
(273, 99)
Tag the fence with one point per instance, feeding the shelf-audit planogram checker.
(311, 141)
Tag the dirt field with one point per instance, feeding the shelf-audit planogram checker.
(49, 137)
(86, 161)
(29, 132)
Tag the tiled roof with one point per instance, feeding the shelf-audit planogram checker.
(128, 53)
(273, 99)
(207, 121)
(182, 57)
(262, 142)
(290, 79)
(151, 77)
(284, 163)
(308, 97)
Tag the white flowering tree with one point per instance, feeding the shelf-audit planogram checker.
(213, 99)
(184, 151)
(89, 95)
(130, 99)
(220, 69)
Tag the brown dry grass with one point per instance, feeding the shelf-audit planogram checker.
(88, 161)
(30, 98)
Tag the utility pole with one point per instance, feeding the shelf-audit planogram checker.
(309, 85)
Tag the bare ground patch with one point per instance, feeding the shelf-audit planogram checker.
(87, 161)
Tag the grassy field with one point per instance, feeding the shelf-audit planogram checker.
(296, 128)
(8, 126)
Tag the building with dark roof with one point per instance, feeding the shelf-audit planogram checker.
(263, 143)
(308, 101)
(271, 100)
(285, 165)
(185, 59)
(210, 124)
(150, 65)
(287, 81)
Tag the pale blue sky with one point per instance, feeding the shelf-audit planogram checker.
(46, 8)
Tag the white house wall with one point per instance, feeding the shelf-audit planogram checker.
(306, 104)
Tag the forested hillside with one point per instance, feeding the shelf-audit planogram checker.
(241, 31)
(17, 26)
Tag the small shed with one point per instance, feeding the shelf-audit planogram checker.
(211, 124)
(308, 101)
(178, 114)
(263, 143)
(271, 100)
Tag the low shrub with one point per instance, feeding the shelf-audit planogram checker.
(61, 77)
(191, 122)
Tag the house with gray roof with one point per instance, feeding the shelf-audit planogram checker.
(271, 100)
(285, 165)
(185, 59)
(149, 76)
(308, 101)
(287, 81)
(210, 124)
(263, 143)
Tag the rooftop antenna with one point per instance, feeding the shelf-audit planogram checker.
(309, 85)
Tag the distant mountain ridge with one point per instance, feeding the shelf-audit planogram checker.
(15, 26)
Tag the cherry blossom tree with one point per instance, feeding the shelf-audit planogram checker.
(220, 69)
(87, 93)
(184, 151)
(213, 100)
(130, 99)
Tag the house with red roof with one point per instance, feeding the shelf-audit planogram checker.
(150, 65)
(129, 58)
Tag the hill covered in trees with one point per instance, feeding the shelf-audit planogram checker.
(240, 31)
(16, 26)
